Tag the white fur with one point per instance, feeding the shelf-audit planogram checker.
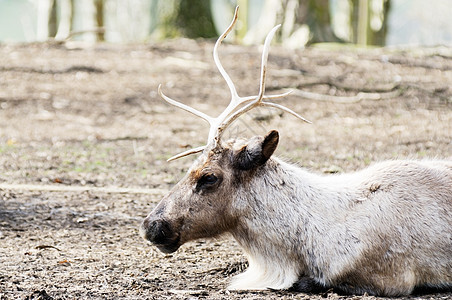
(263, 273)
(297, 223)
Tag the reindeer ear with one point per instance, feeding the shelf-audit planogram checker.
(256, 152)
(270, 143)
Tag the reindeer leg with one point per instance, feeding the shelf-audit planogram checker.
(308, 285)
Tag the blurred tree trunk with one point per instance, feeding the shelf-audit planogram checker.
(64, 21)
(361, 14)
(53, 19)
(317, 17)
(164, 14)
(71, 16)
(60, 18)
(189, 18)
(194, 19)
(354, 4)
(99, 5)
(303, 22)
(362, 22)
(378, 37)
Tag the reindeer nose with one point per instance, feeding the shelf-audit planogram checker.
(157, 231)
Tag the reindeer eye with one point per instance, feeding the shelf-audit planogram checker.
(209, 179)
(206, 181)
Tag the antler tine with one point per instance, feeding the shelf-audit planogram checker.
(281, 107)
(267, 42)
(186, 153)
(223, 73)
(266, 97)
(260, 96)
(234, 108)
(250, 106)
(196, 112)
(236, 100)
(185, 107)
(213, 122)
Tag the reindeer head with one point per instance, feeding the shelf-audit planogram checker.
(203, 204)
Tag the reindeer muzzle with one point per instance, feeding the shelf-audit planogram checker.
(160, 233)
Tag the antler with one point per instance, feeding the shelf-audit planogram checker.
(233, 110)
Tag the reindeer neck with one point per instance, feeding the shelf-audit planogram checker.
(282, 197)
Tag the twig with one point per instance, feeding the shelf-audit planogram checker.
(345, 99)
(334, 82)
(40, 247)
(62, 188)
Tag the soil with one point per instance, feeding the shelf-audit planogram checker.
(84, 140)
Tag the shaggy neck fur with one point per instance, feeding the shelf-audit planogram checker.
(278, 253)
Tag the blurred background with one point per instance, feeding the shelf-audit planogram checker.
(362, 22)
(84, 135)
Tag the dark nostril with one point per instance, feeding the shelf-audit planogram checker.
(157, 231)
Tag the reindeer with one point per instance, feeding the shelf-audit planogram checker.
(384, 230)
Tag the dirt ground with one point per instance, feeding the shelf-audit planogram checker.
(84, 140)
